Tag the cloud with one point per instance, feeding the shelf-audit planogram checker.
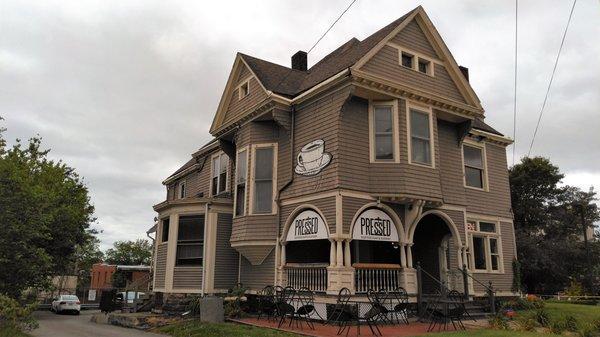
(125, 91)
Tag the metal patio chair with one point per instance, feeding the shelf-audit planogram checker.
(400, 304)
(266, 302)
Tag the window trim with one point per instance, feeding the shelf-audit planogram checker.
(482, 146)
(183, 214)
(416, 57)
(487, 236)
(429, 111)
(161, 229)
(246, 83)
(395, 131)
(227, 175)
(252, 174)
(245, 211)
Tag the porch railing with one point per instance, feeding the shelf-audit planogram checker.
(376, 277)
(311, 277)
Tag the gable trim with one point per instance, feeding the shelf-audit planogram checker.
(440, 47)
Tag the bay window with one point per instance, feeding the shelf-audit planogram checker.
(420, 137)
(474, 166)
(241, 171)
(164, 237)
(190, 240)
(263, 179)
(484, 253)
(220, 162)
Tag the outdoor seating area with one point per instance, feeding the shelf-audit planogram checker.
(379, 313)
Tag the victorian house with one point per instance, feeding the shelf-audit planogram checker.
(349, 173)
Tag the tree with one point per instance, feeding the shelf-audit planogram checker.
(45, 213)
(548, 227)
(85, 256)
(138, 252)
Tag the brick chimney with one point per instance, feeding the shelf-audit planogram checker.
(464, 71)
(299, 61)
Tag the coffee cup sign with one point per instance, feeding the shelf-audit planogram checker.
(307, 225)
(374, 225)
(312, 158)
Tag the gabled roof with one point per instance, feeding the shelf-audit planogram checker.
(196, 160)
(290, 82)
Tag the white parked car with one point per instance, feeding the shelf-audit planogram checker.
(65, 303)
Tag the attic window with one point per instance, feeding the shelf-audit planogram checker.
(424, 66)
(244, 89)
(407, 60)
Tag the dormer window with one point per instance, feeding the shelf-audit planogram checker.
(407, 60)
(244, 89)
(424, 66)
(181, 190)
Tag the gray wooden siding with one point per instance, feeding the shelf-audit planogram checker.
(412, 36)
(452, 179)
(325, 205)
(350, 206)
(226, 258)
(257, 277)
(386, 64)
(187, 278)
(357, 173)
(238, 106)
(497, 200)
(160, 266)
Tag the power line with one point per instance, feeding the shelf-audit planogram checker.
(551, 78)
(333, 24)
(515, 101)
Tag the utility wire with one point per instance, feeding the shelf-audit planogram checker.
(551, 78)
(515, 101)
(333, 24)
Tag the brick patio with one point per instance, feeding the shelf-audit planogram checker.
(401, 330)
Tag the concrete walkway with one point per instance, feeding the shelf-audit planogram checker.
(53, 325)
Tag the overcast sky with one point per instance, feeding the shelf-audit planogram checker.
(125, 91)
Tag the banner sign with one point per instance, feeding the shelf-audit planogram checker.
(307, 225)
(374, 225)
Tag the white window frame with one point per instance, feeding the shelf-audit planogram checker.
(245, 210)
(488, 254)
(252, 174)
(179, 190)
(416, 56)
(482, 146)
(429, 111)
(246, 83)
(219, 154)
(395, 127)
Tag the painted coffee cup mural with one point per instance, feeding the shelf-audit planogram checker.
(312, 158)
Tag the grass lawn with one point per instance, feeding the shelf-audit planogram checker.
(11, 332)
(583, 313)
(489, 333)
(197, 329)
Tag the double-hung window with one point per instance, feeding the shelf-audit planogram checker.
(484, 253)
(474, 166)
(420, 137)
(384, 142)
(220, 163)
(190, 240)
(182, 189)
(241, 172)
(263, 179)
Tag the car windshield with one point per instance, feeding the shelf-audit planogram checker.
(69, 298)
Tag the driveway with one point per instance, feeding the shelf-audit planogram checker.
(52, 325)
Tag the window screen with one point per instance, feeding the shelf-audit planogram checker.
(241, 171)
(190, 240)
(473, 157)
(263, 180)
(384, 135)
(420, 137)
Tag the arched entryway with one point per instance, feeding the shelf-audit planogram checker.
(306, 249)
(437, 249)
(376, 250)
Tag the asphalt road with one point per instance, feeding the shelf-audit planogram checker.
(53, 325)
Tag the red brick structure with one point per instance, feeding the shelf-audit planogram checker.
(102, 274)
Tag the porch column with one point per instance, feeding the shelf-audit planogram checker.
(340, 254)
(282, 255)
(332, 259)
(403, 255)
(347, 261)
(409, 255)
(459, 257)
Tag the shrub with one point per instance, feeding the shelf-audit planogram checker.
(574, 289)
(233, 308)
(571, 323)
(527, 324)
(194, 306)
(589, 331)
(558, 327)
(542, 317)
(14, 315)
(499, 322)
